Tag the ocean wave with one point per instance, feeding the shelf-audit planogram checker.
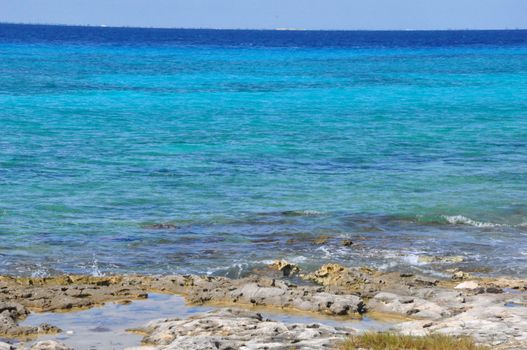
(291, 213)
(95, 270)
(463, 220)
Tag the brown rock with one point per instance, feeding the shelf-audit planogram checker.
(288, 269)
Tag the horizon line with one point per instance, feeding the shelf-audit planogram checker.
(257, 29)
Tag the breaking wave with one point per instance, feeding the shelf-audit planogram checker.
(463, 220)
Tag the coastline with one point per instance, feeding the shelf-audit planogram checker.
(492, 311)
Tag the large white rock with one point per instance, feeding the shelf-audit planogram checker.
(467, 285)
(5, 346)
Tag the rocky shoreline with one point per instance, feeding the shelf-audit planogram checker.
(493, 311)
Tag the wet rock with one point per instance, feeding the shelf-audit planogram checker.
(458, 275)
(320, 240)
(493, 290)
(346, 242)
(11, 313)
(425, 281)
(264, 240)
(238, 329)
(406, 274)
(288, 269)
(49, 345)
(161, 226)
(440, 259)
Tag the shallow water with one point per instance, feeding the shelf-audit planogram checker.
(105, 327)
(409, 143)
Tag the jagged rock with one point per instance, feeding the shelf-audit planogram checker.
(327, 274)
(11, 313)
(339, 291)
(275, 293)
(487, 319)
(288, 269)
(460, 275)
(238, 329)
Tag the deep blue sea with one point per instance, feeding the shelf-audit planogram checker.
(212, 151)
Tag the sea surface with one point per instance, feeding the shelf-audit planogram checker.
(162, 150)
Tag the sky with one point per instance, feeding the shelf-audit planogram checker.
(269, 14)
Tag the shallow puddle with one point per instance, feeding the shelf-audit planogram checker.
(105, 327)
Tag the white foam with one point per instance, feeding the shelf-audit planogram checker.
(310, 212)
(412, 259)
(95, 271)
(40, 271)
(463, 220)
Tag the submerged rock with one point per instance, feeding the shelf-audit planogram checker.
(239, 329)
(320, 240)
(440, 259)
(161, 226)
(346, 242)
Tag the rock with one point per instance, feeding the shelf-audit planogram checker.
(11, 313)
(274, 293)
(467, 285)
(327, 274)
(238, 329)
(402, 305)
(496, 308)
(486, 319)
(347, 242)
(493, 290)
(425, 281)
(440, 259)
(161, 226)
(50, 345)
(320, 240)
(287, 268)
(460, 275)
(6, 346)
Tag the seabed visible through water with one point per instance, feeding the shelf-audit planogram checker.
(105, 327)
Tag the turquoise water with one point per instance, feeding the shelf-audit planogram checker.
(252, 150)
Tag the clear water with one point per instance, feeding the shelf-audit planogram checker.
(105, 327)
(254, 142)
